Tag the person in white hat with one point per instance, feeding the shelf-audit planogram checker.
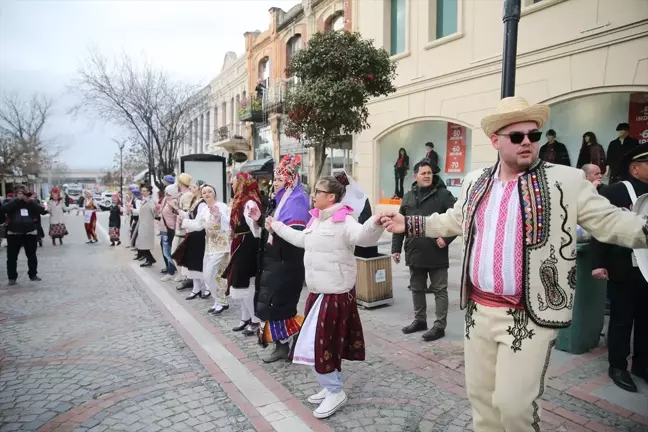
(518, 221)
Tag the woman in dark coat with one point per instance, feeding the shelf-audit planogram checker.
(591, 152)
(282, 265)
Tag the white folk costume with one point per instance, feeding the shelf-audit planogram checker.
(57, 209)
(216, 255)
(332, 330)
(519, 271)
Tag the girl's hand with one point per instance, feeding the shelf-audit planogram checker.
(268, 223)
(215, 212)
(255, 213)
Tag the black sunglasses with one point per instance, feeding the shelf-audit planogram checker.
(518, 137)
(321, 191)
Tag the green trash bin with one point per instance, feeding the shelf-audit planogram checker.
(584, 333)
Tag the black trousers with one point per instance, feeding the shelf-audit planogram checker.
(14, 244)
(628, 299)
(399, 179)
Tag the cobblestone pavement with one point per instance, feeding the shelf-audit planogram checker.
(92, 351)
(86, 349)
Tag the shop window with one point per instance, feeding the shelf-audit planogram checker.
(263, 145)
(337, 160)
(444, 18)
(397, 22)
(452, 144)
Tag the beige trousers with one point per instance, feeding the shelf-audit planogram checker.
(506, 359)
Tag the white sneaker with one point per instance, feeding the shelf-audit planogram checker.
(332, 403)
(166, 278)
(319, 397)
(178, 278)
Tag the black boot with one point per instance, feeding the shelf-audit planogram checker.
(280, 352)
(415, 327)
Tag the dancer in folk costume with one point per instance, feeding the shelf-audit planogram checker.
(213, 220)
(332, 330)
(281, 276)
(518, 222)
(134, 201)
(192, 251)
(56, 208)
(114, 221)
(183, 204)
(90, 216)
(242, 268)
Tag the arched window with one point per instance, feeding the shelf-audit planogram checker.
(292, 46)
(336, 23)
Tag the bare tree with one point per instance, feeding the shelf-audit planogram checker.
(143, 99)
(22, 149)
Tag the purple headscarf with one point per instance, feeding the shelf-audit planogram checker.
(135, 191)
(296, 207)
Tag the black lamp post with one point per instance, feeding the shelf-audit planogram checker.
(511, 19)
(121, 171)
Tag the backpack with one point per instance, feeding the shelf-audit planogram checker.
(22, 222)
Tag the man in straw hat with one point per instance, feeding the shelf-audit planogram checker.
(627, 288)
(518, 221)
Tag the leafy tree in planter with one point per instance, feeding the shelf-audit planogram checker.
(339, 72)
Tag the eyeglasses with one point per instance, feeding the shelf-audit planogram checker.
(518, 137)
(321, 191)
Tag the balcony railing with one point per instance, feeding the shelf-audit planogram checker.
(276, 94)
(251, 110)
(230, 138)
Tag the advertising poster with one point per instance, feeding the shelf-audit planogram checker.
(638, 117)
(455, 161)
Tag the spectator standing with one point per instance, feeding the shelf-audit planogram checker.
(426, 256)
(22, 216)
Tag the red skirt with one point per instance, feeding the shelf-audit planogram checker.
(339, 331)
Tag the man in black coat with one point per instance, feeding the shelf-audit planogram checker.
(23, 216)
(426, 256)
(617, 148)
(627, 288)
(554, 151)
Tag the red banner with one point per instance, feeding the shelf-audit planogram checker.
(638, 117)
(455, 162)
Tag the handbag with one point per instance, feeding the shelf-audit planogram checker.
(3, 230)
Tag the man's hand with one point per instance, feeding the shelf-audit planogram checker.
(441, 243)
(600, 274)
(396, 257)
(393, 222)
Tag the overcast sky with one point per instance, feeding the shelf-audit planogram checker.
(42, 42)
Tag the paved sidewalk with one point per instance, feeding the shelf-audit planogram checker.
(101, 344)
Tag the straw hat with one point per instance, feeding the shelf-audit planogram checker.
(514, 109)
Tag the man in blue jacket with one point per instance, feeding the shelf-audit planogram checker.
(22, 217)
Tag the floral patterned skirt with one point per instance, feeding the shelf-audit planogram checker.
(58, 230)
(339, 331)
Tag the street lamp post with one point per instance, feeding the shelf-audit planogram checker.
(511, 19)
(121, 170)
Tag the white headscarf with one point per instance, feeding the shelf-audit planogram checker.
(355, 197)
(171, 190)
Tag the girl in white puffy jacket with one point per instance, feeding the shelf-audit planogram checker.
(332, 330)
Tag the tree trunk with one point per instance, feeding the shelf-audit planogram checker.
(320, 159)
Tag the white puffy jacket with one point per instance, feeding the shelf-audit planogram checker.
(329, 241)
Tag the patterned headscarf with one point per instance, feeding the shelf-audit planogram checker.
(245, 188)
(56, 191)
(288, 168)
